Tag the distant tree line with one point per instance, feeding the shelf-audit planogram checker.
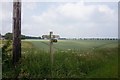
(10, 36)
(88, 39)
(92, 39)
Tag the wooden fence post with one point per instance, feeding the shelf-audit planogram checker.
(16, 31)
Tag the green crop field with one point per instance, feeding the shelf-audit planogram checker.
(72, 59)
(75, 44)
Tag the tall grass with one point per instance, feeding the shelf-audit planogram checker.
(36, 63)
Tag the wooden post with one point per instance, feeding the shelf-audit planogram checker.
(51, 47)
(50, 41)
(16, 31)
(51, 52)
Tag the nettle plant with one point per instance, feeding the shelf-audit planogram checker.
(6, 52)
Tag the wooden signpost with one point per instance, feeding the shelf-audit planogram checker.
(16, 31)
(52, 39)
(51, 47)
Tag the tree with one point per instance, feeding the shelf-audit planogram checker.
(8, 36)
(23, 36)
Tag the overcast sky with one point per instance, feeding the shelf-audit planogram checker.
(68, 19)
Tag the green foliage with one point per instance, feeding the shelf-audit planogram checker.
(6, 57)
(9, 36)
(6, 51)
